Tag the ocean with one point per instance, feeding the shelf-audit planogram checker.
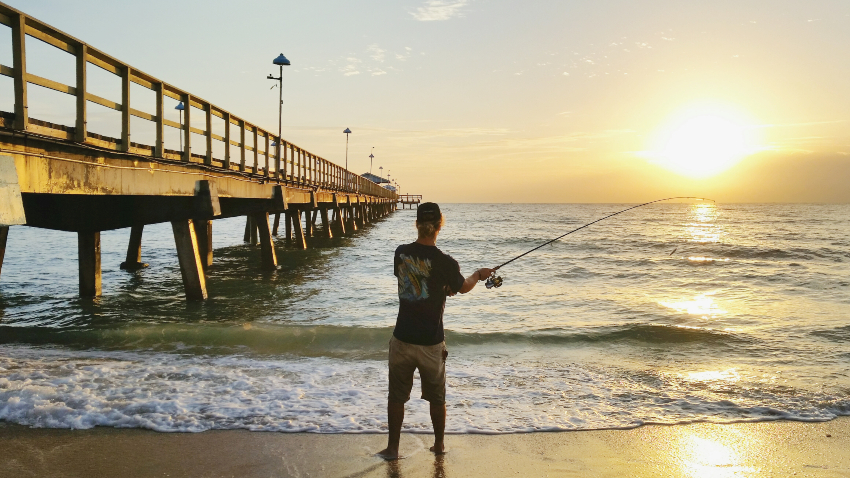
(671, 313)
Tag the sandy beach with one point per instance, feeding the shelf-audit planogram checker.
(779, 448)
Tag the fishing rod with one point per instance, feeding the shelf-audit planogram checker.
(496, 281)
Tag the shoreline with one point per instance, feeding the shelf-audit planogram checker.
(766, 448)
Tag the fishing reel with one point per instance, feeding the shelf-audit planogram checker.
(493, 281)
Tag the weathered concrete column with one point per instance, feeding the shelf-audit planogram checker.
(288, 225)
(88, 247)
(339, 221)
(352, 223)
(133, 261)
(308, 224)
(203, 234)
(361, 213)
(250, 231)
(268, 257)
(4, 234)
(300, 240)
(325, 222)
(191, 269)
(276, 222)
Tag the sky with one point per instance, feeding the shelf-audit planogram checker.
(500, 100)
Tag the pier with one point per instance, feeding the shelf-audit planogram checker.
(64, 177)
(412, 200)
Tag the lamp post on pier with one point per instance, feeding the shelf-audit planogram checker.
(371, 158)
(281, 61)
(347, 178)
(180, 108)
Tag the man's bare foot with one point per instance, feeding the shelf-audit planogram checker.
(388, 454)
(438, 449)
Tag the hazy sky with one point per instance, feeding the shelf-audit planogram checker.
(504, 101)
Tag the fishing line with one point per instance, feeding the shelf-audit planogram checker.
(496, 281)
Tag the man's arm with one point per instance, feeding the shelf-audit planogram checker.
(479, 275)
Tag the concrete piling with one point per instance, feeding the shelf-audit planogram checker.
(88, 248)
(189, 258)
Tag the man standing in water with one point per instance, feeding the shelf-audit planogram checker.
(425, 277)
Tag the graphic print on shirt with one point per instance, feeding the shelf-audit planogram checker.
(413, 274)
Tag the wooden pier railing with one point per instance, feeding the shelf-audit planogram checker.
(288, 163)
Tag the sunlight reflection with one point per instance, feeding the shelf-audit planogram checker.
(722, 455)
(703, 227)
(707, 260)
(730, 375)
(702, 305)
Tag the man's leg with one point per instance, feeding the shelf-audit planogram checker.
(438, 419)
(395, 417)
(401, 381)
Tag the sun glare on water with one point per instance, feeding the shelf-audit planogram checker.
(704, 143)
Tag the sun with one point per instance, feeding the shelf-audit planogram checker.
(704, 143)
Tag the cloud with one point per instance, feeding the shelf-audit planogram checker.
(439, 10)
(351, 68)
(376, 53)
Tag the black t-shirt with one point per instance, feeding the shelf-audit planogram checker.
(423, 273)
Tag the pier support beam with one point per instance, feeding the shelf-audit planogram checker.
(276, 224)
(352, 223)
(191, 269)
(88, 247)
(300, 240)
(250, 231)
(133, 261)
(268, 258)
(203, 233)
(336, 216)
(326, 223)
(4, 234)
(308, 224)
(288, 225)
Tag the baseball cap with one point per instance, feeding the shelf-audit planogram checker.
(427, 212)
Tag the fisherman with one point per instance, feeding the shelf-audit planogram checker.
(426, 276)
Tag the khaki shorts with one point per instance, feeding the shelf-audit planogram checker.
(404, 358)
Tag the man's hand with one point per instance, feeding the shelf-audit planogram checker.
(479, 275)
(484, 273)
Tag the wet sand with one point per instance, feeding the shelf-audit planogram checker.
(696, 450)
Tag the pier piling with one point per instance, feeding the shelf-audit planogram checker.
(133, 261)
(189, 258)
(4, 235)
(300, 240)
(88, 247)
(268, 257)
(203, 233)
(287, 220)
(326, 224)
(250, 231)
(276, 224)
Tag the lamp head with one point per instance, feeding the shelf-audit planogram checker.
(180, 106)
(347, 131)
(281, 60)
